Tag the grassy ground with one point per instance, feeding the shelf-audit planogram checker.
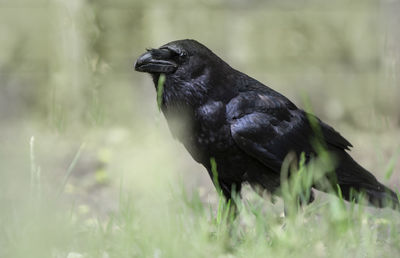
(112, 193)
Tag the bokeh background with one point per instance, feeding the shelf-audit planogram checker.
(67, 80)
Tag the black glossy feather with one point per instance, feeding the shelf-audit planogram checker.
(247, 127)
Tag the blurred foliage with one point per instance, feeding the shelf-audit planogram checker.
(69, 62)
(67, 66)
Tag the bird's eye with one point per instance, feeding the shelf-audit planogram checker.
(175, 51)
(182, 53)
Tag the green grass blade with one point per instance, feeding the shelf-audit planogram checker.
(70, 169)
(160, 90)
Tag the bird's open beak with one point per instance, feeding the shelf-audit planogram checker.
(156, 61)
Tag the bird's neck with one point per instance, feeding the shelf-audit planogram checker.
(179, 93)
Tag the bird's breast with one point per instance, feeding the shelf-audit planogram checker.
(204, 131)
(212, 131)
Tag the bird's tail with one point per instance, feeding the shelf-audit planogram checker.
(377, 194)
(382, 197)
(351, 176)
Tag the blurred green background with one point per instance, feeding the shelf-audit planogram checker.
(67, 62)
(67, 70)
(67, 79)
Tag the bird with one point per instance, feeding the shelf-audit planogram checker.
(243, 131)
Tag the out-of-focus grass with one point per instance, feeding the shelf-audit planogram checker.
(66, 78)
(156, 217)
(146, 208)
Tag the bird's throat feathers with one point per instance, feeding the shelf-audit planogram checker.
(178, 92)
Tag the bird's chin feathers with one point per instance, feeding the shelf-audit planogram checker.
(181, 93)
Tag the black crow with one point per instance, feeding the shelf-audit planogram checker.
(245, 128)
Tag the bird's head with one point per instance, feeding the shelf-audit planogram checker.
(182, 59)
(188, 66)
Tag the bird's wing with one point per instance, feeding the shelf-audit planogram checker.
(268, 126)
